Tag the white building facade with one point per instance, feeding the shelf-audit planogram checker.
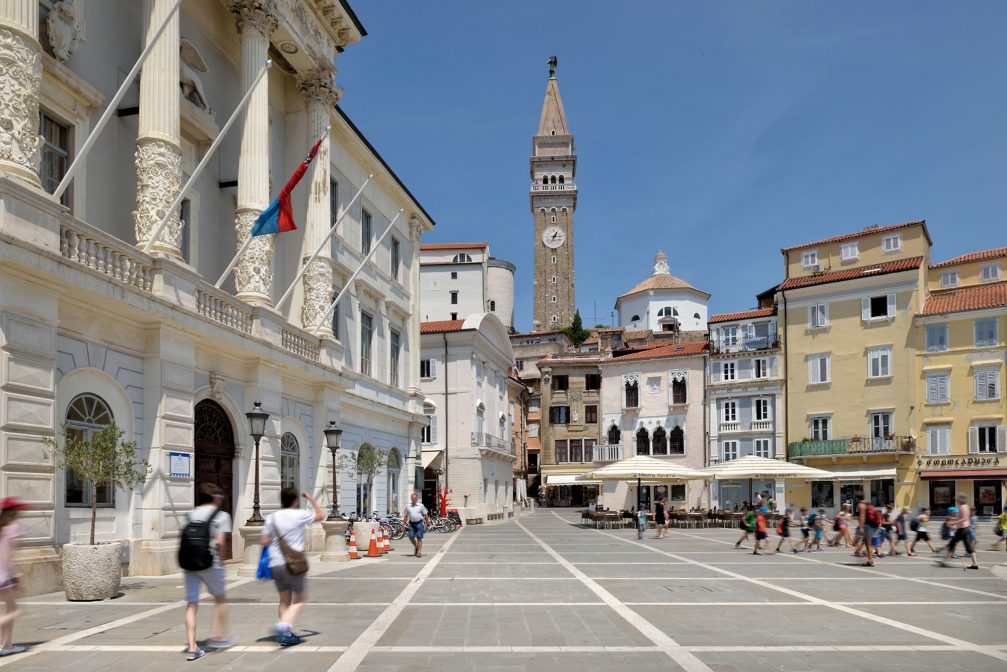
(652, 404)
(745, 397)
(93, 329)
(461, 279)
(468, 448)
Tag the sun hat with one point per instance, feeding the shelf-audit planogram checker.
(13, 503)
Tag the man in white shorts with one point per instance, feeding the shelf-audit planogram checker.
(209, 499)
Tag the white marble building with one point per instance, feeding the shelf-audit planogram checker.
(652, 404)
(461, 279)
(88, 320)
(464, 372)
(663, 303)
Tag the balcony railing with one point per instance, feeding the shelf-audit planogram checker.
(605, 452)
(554, 187)
(890, 445)
(746, 345)
(490, 442)
(730, 426)
(762, 425)
(102, 252)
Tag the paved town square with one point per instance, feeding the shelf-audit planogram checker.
(542, 593)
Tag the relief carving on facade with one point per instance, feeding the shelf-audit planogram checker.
(190, 64)
(253, 276)
(158, 178)
(320, 86)
(65, 26)
(258, 14)
(20, 80)
(317, 282)
(415, 230)
(678, 375)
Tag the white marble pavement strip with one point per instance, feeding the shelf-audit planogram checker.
(953, 641)
(665, 644)
(350, 660)
(875, 573)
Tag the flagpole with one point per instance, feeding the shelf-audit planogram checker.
(206, 157)
(234, 260)
(304, 267)
(349, 281)
(64, 184)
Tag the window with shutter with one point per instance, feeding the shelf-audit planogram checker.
(937, 337)
(818, 316)
(987, 384)
(818, 369)
(985, 331)
(937, 388)
(986, 439)
(938, 440)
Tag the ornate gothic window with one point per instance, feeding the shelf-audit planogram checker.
(642, 442)
(289, 461)
(660, 441)
(676, 445)
(85, 415)
(614, 436)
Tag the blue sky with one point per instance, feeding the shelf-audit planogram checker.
(716, 131)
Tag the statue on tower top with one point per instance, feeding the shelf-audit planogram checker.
(553, 62)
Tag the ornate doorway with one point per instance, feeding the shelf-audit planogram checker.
(213, 443)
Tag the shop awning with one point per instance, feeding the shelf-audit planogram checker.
(429, 456)
(858, 472)
(566, 479)
(963, 474)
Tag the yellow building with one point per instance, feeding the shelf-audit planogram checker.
(959, 384)
(847, 307)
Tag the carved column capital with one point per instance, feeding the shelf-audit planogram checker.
(415, 229)
(259, 15)
(253, 276)
(320, 87)
(20, 81)
(158, 178)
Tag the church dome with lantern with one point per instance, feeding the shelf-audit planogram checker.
(663, 302)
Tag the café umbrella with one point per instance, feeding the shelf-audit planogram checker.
(753, 466)
(642, 468)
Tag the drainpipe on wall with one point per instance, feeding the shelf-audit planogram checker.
(781, 334)
(447, 412)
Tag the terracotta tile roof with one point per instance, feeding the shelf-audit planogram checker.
(976, 297)
(547, 361)
(743, 315)
(537, 333)
(974, 256)
(865, 232)
(636, 335)
(690, 348)
(441, 326)
(453, 246)
(661, 281)
(853, 273)
(592, 340)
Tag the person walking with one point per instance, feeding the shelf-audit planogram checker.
(919, 525)
(660, 519)
(288, 525)
(902, 529)
(760, 529)
(962, 533)
(1000, 529)
(805, 529)
(783, 529)
(10, 507)
(870, 520)
(841, 526)
(416, 515)
(747, 526)
(211, 525)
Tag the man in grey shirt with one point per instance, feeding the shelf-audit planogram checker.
(210, 498)
(416, 514)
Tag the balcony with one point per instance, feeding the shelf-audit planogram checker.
(604, 452)
(891, 445)
(745, 345)
(730, 426)
(762, 425)
(554, 187)
(494, 444)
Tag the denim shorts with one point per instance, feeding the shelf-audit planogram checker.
(213, 578)
(415, 530)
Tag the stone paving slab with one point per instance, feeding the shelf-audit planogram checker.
(844, 661)
(674, 590)
(752, 626)
(504, 591)
(343, 588)
(164, 661)
(671, 570)
(512, 626)
(878, 589)
(518, 662)
(517, 572)
(39, 623)
(963, 621)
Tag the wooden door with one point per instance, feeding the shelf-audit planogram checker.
(213, 443)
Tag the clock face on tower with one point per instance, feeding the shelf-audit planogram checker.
(553, 237)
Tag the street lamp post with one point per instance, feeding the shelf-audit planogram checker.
(257, 428)
(333, 436)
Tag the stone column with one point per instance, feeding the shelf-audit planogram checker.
(20, 81)
(253, 276)
(321, 94)
(158, 149)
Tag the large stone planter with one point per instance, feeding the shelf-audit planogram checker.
(335, 541)
(92, 572)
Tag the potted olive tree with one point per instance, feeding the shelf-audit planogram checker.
(365, 464)
(94, 571)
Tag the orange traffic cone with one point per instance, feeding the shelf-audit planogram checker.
(372, 547)
(388, 540)
(353, 545)
(385, 546)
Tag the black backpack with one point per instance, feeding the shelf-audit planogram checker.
(194, 552)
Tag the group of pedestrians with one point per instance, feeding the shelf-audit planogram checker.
(867, 529)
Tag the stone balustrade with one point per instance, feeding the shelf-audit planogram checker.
(301, 343)
(221, 307)
(98, 251)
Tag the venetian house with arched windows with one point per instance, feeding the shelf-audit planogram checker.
(101, 321)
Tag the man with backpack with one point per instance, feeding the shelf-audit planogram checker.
(747, 526)
(870, 521)
(203, 540)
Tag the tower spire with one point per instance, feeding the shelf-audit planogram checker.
(553, 119)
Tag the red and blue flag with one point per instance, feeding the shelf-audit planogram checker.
(279, 216)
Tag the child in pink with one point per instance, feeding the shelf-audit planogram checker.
(9, 532)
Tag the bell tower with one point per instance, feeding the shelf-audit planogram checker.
(553, 201)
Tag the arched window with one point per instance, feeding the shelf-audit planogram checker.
(394, 469)
(553, 179)
(676, 444)
(614, 436)
(363, 487)
(664, 312)
(462, 259)
(635, 318)
(545, 179)
(674, 312)
(87, 414)
(696, 315)
(289, 461)
(561, 179)
(555, 319)
(678, 391)
(493, 306)
(642, 442)
(660, 441)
